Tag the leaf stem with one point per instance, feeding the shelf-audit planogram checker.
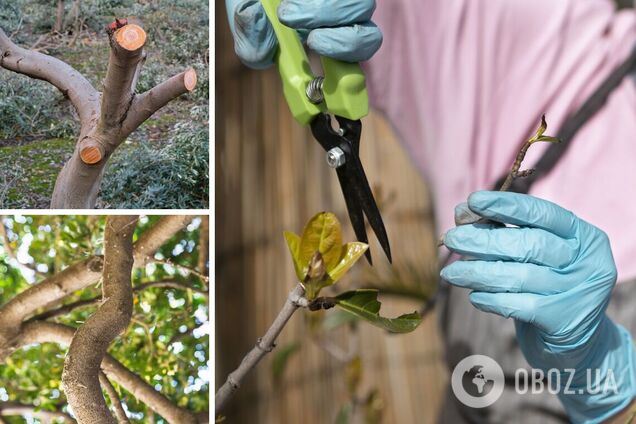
(263, 346)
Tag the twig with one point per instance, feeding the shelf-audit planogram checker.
(114, 399)
(264, 345)
(193, 271)
(514, 171)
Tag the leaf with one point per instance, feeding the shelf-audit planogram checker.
(364, 304)
(352, 252)
(293, 243)
(322, 234)
(281, 359)
(319, 257)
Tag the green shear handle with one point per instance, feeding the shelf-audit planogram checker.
(343, 88)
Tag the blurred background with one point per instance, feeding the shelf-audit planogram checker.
(271, 176)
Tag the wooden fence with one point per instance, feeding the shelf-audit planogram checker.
(271, 176)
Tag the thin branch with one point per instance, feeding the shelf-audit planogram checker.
(114, 399)
(91, 340)
(193, 271)
(204, 246)
(263, 346)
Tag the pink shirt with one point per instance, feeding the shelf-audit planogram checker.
(465, 82)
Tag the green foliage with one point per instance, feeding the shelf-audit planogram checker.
(364, 304)
(33, 109)
(322, 240)
(171, 177)
(166, 343)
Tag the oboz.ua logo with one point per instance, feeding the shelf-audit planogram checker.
(477, 381)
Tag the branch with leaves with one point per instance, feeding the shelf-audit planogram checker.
(320, 259)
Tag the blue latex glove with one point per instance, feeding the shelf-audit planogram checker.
(553, 273)
(341, 29)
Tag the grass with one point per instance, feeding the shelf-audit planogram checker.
(28, 178)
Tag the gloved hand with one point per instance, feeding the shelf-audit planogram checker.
(553, 273)
(341, 29)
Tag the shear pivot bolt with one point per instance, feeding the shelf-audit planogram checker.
(335, 157)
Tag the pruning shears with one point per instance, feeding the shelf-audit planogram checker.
(341, 92)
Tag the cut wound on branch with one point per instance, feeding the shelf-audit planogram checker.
(106, 120)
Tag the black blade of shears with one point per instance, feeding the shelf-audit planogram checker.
(362, 192)
(353, 181)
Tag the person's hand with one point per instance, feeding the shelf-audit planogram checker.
(340, 29)
(553, 273)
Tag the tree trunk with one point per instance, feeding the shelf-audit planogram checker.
(106, 119)
(91, 340)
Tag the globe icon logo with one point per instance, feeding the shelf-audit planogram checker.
(477, 381)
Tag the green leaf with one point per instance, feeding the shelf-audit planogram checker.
(281, 359)
(321, 242)
(351, 253)
(322, 234)
(364, 304)
(293, 243)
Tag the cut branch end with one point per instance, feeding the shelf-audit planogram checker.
(130, 37)
(91, 154)
(190, 79)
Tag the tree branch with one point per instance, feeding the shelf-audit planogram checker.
(91, 340)
(65, 309)
(264, 345)
(114, 399)
(48, 332)
(156, 236)
(43, 294)
(53, 290)
(36, 65)
(144, 105)
(126, 54)
(204, 246)
(15, 408)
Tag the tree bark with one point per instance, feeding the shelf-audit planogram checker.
(106, 122)
(80, 377)
(48, 332)
(53, 290)
(114, 399)
(43, 294)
